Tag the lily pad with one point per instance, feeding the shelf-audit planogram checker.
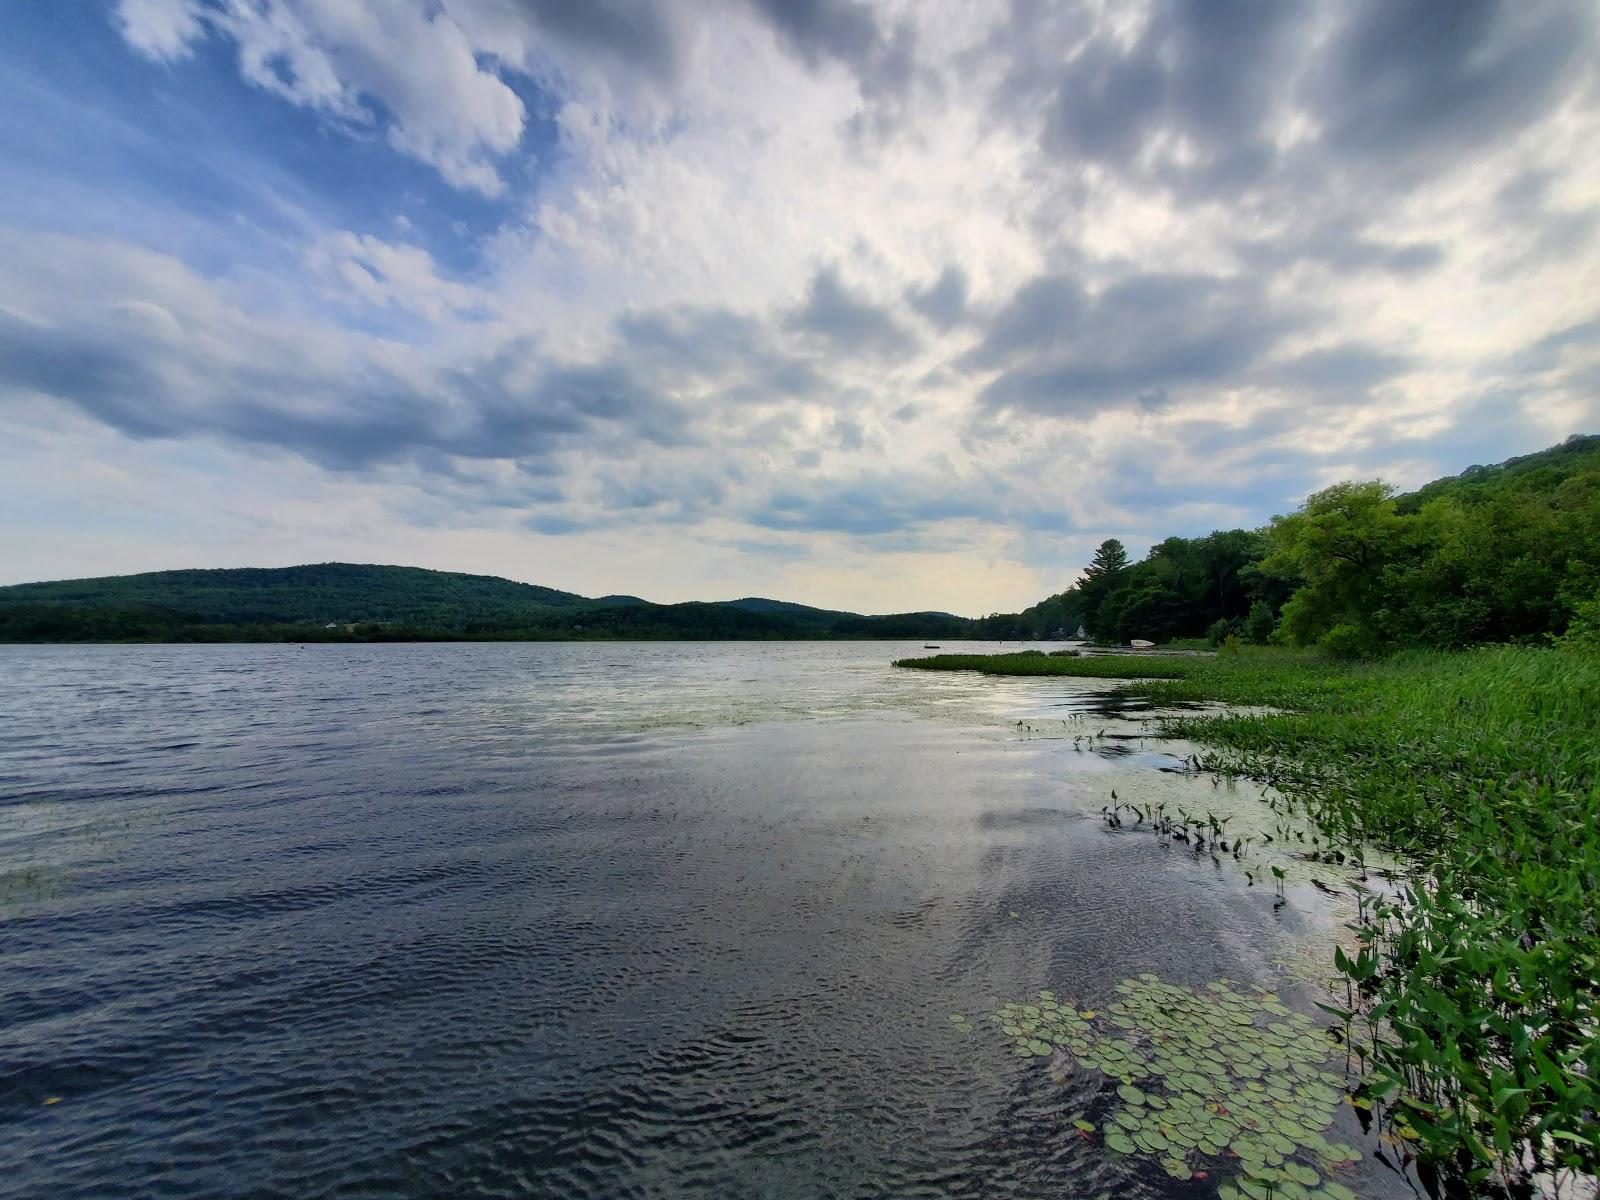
(1301, 1174)
(1227, 1076)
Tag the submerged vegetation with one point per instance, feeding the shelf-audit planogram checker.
(1221, 1079)
(1473, 998)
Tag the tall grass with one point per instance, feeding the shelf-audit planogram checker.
(1478, 987)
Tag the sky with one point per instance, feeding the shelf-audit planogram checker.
(871, 306)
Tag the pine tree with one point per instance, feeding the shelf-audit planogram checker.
(1100, 579)
(1110, 560)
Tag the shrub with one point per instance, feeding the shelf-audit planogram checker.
(1258, 625)
(1346, 641)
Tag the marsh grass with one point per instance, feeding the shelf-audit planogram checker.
(1472, 996)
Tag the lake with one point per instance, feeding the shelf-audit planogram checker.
(586, 920)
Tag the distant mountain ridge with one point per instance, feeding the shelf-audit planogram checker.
(342, 592)
(374, 602)
(802, 614)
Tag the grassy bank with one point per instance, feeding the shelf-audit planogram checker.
(1483, 768)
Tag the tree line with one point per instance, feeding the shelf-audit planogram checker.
(1509, 553)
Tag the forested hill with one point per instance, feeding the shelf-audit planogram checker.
(321, 592)
(350, 601)
(1505, 553)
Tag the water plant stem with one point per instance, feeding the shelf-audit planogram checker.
(1480, 982)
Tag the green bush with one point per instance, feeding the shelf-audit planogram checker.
(1258, 625)
(1347, 641)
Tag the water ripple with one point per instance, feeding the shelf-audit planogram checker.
(565, 921)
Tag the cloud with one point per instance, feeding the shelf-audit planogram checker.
(944, 301)
(902, 505)
(1066, 352)
(636, 283)
(819, 29)
(1410, 82)
(636, 34)
(1334, 243)
(1212, 77)
(162, 29)
(1273, 107)
(389, 275)
(848, 32)
(438, 103)
(1350, 369)
(177, 358)
(847, 321)
(695, 342)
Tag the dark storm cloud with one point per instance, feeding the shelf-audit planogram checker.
(847, 321)
(944, 301)
(1064, 352)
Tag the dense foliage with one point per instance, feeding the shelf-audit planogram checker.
(1509, 553)
(1181, 589)
(1475, 994)
(343, 593)
(347, 602)
(1499, 554)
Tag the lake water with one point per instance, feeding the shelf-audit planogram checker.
(580, 920)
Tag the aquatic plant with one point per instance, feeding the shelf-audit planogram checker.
(1474, 992)
(1222, 1078)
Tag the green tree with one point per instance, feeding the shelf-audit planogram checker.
(1258, 625)
(1100, 579)
(1338, 545)
(1110, 560)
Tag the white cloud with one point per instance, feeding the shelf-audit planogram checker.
(161, 29)
(340, 57)
(389, 275)
(709, 336)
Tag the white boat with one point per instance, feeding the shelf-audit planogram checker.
(1141, 644)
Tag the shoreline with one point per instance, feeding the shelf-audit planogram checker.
(1474, 994)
